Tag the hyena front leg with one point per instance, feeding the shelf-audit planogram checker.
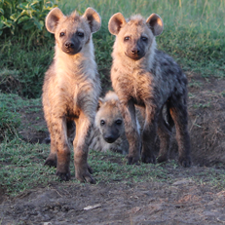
(80, 143)
(60, 142)
(178, 112)
(52, 157)
(149, 135)
(131, 131)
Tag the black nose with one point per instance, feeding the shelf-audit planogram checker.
(109, 139)
(69, 45)
(135, 51)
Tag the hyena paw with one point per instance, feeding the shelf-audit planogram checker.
(162, 158)
(132, 160)
(185, 161)
(148, 158)
(63, 176)
(85, 176)
(50, 162)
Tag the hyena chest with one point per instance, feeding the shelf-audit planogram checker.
(73, 98)
(138, 87)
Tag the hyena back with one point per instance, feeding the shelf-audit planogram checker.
(71, 89)
(142, 75)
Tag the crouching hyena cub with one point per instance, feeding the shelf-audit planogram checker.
(71, 89)
(109, 131)
(144, 76)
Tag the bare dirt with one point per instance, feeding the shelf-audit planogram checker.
(184, 201)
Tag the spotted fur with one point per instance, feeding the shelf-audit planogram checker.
(144, 76)
(71, 89)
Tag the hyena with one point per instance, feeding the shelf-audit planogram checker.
(71, 89)
(142, 75)
(109, 130)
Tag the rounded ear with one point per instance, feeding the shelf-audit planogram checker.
(93, 19)
(52, 19)
(100, 103)
(115, 23)
(155, 23)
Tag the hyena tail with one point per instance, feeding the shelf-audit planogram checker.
(169, 123)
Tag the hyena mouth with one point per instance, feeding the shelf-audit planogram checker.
(134, 56)
(72, 51)
(110, 140)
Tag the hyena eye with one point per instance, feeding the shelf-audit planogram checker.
(118, 122)
(80, 34)
(127, 38)
(62, 34)
(102, 122)
(144, 38)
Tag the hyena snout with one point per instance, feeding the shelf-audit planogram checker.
(71, 47)
(135, 51)
(111, 132)
(111, 136)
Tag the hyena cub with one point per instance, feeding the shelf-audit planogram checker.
(142, 75)
(109, 131)
(71, 89)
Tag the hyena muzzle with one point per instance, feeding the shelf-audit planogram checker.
(71, 89)
(144, 76)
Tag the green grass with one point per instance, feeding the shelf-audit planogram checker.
(22, 169)
(193, 30)
(193, 34)
(10, 117)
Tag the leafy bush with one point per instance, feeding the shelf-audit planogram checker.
(27, 16)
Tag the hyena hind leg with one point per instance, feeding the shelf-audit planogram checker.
(178, 112)
(164, 136)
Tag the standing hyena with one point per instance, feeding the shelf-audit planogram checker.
(144, 76)
(71, 89)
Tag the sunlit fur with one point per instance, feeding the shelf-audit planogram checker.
(70, 92)
(150, 81)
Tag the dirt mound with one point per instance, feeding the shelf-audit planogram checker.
(182, 202)
(207, 120)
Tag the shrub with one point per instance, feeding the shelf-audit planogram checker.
(26, 16)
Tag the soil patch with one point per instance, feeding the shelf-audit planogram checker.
(184, 201)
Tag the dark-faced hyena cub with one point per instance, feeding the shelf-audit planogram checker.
(71, 89)
(109, 132)
(142, 75)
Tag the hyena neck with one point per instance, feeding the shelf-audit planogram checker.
(80, 63)
(120, 60)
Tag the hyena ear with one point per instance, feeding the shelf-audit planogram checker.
(100, 102)
(52, 19)
(115, 23)
(155, 23)
(93, 19)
